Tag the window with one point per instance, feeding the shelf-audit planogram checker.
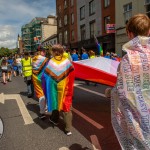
(72, 18)
(72, 35)
(71, 2)
(65, 37)
(60, 38)
(106, 21)
(38, 33)
(59, 8)
(91, 7)
(147, 7)
(106, 3)
(65, 20)
(82, 12)
(60, 25)
(127, 12)
(147, 2)
(82, 31)
(65, 4)
(92, 29)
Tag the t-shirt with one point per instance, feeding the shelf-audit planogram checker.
(10, 61)
(74, 57)
(18, 61)
(84, 56)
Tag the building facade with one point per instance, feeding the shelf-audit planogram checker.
(93, 17)
(49, 27)
(37, 31)
(50, 41)
(107, 39)
(79, 21)
(66, 22)
(73, 24)
(88, 22)
(19, 45)
(125, 9)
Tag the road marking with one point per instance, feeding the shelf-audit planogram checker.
(97, 125)
(25, 114)
(2, 98)
(95, 142)
(63, 148)
(1, 128)
(82, 88)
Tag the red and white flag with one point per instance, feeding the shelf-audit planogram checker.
(101, 70)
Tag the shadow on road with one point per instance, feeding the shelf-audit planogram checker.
(44, 124)
(77, 147)
(26, 94)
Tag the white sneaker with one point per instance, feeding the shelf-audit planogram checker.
(68, 133)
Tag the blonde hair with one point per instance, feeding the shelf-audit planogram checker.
(139, 25)
(91, 52)
(57, 50)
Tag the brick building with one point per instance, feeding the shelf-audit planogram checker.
(79, 20)
(66, 22)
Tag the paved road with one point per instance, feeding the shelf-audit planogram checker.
(23, 130)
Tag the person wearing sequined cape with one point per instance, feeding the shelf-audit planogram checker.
(58, 80)
(130, 98)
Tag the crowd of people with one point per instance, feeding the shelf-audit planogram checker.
(75, 56)
(53, 80)
(10, 66)
(49, 79)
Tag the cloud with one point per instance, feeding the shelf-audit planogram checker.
(19, 12)
(7, 36)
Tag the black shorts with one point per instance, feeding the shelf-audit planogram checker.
(4, 71)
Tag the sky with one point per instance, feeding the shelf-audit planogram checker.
(15, 13)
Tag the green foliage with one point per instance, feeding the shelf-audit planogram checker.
(7, 52)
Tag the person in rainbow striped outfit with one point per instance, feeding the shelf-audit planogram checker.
(58, 81)
(39, 62)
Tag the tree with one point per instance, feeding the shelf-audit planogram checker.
(6, 52)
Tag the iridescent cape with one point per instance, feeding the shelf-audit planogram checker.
(58, 79)
(130, 98)
(38, 64)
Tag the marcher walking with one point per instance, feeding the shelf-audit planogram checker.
(39, 63)
(4, 70)
(130, 98)
(58, 81)
(27, 72)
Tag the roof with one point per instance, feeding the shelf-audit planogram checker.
(51, 16)
(50, 37)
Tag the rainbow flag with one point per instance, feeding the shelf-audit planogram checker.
(100, 50)
(57, 82)
(99, 47)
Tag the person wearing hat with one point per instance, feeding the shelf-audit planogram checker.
(27, 72)
(39, 62)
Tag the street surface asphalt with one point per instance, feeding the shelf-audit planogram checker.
(92, 129)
